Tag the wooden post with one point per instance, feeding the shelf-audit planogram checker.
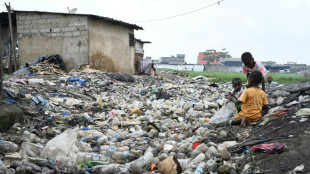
(12, 35)
(1, 70)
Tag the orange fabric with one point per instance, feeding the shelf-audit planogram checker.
(252, 100)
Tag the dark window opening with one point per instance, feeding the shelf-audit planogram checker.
(131, 40)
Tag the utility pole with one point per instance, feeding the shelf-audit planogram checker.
(12, 35)
(1, 70)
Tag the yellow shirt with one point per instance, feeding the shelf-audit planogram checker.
(252, 100)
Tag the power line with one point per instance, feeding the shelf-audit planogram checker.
(153, 20)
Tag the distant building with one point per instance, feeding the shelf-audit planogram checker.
(296, 67)
(278, 68)
(232, 62)
(269, 63)
(200, 60)
(178, 60)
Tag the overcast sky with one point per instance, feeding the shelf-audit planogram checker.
(274, 30)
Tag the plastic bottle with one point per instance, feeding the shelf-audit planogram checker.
(102, 140)
(80, 157)
(199, 158)
(223, 151)
(122, 156)
(111, 168)
(2, 168)
(211, 165)
(146, 159)
(114, 134)
(7, 146)
(21, 170)
(52, 152)
(72, 166)
(94, 163)
(200, 168)
(10, 171)
(184, 163)
(213, 151)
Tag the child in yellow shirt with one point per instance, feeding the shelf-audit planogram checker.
(252, 100)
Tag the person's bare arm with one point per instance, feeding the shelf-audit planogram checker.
(263, 84)
(236, 101)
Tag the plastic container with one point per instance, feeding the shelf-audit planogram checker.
(72, 166)
(200, 168)
(198, 159)
(122, 156)
(3, 168)
(223, 151)
(211, 165)
(7, 146)
(10, 171)
(102, 140)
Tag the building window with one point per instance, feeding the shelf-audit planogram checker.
(131, 40)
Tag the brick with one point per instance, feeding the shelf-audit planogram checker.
(20, 17)
(68, 34)
(29, 17)
(84, 33)
(27, 21)
(56, 30)
(59, 34)
(75, 33)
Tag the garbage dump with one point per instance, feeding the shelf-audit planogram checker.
(87, 121)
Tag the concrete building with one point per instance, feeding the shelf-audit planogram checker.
(139, 53)
(104, 43)
(178, 60)
(269, 63)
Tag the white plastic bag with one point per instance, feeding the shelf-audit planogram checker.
(62, 142)
(224, 115)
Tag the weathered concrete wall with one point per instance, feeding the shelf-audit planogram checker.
(109, 48)
(139, 47)
(45, 33)
(222, 68)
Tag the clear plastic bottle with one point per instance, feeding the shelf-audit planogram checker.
(21, 170)
(80, 158)
(211, 165)
(200, 168)
(221, 148)
(3, 168)
(102, 140)
(10, 171)
(7, 146)
(123, 156)
(199, 158)
(72, 166)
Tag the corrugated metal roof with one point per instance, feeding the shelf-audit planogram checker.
(106, 19)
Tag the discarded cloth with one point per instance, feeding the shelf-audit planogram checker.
(145, 67)
(272, 148)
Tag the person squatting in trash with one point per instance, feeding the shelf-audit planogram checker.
(236, 93)
(270, 81)
(250, 65)
(252, 100)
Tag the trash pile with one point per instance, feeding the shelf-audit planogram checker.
(87, 121)
(44, 65)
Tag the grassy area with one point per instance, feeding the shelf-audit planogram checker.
(228, 76)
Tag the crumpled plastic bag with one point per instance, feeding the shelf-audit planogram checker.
(272, 148)
(62, 142)
(224, 115)
(303, 112)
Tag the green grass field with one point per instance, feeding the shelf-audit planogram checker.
(228, 76)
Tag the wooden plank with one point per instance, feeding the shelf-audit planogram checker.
(12, 35)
